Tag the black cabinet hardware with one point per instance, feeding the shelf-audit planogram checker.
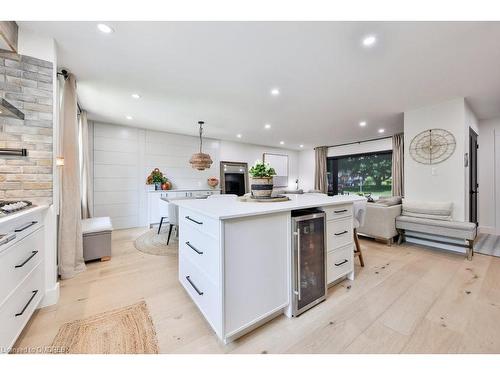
(188, 278)
(341, 263)
(194, 221)
(341, 233)
(28, 303)
(339, 211)
(25, 226)
(194, 248)
(33, 253)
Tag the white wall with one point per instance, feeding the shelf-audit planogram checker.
(247, 153)
(444, 181)
(307, 162)
(489, 176)
(124, 156)
(45, 48)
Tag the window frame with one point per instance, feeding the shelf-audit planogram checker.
(335, 172)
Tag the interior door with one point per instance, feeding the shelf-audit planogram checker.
(473, 185)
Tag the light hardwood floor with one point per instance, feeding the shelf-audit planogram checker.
(407, 299)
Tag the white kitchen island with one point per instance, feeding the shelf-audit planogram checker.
(235, 257)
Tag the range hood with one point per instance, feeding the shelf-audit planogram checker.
(7, 109)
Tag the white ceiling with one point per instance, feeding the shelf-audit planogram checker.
(222, 73)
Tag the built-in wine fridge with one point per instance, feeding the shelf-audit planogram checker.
(309, 259)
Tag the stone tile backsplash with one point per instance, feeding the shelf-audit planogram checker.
(27, 83)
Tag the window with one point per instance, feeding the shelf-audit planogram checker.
(361, 173)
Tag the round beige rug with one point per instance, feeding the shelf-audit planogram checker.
(156, 244)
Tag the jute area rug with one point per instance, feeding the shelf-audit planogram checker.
(156, 244)
(127, 330)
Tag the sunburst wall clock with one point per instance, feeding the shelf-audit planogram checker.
(432, 146)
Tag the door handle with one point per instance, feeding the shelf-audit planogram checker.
(33, 253)
(341, 263)
(25, 226)
(194, 248)
(27, 303)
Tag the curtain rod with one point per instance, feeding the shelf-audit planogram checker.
(357, 142)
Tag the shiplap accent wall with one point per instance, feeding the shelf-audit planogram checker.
(117, 182)
(124, 157)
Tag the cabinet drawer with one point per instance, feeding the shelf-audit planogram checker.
(202, 250)
(202, 291)
(337, 212)
(199, 222)
(338, 233)
(18, 261)
(339, 263)
(17, 309)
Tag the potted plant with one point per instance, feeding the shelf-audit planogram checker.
(262, 179)
(156, 178)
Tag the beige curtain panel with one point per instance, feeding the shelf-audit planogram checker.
(398, 176)
(70, 250)
(320, 182)
(85, 128)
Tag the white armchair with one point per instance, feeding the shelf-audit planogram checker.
(380, 221)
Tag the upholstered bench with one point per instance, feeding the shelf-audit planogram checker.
(97, 238)
(443, 228)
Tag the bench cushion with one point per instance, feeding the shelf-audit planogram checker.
(428, 210)
(96, 225)
(455, 229)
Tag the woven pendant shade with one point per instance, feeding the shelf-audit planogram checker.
(200, 161)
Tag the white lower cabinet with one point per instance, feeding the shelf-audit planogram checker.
(22, 284)
(236, 278)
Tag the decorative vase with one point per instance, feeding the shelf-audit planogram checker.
(213, 182)
(262, 187)
(157, 185)
(166, 185)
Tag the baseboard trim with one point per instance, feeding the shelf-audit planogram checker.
(51, 297)
(489, 230)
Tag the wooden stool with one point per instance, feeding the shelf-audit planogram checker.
(357, 250)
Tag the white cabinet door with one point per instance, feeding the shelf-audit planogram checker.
(157, 207)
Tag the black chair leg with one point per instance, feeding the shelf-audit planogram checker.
(169, 232)
(161, 223)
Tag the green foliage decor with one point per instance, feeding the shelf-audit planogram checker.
(262, 170)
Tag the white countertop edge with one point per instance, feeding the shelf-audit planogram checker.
(321, 202)
(21, 213)
(180, 190)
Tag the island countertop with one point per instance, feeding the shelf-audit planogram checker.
(222, 208)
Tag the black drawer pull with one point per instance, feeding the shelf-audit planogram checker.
(194, 221)
(188, 278)
(341, 263)
(341, 233)
(25, 226)
(33, 253)
(28, 303)
(339, 211)
(194, 248)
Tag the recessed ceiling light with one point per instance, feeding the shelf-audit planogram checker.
(128, 117)
(104, 28)
(135, 96)
(239, 135)
(381, 130)
(267, 126)
(282, 142)
(369, 40)
(362, 123)
(275, 92)
(301, 146)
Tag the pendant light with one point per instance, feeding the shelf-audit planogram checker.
(201, 161)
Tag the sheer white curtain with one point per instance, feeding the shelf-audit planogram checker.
(70, 254)
(85, 133)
